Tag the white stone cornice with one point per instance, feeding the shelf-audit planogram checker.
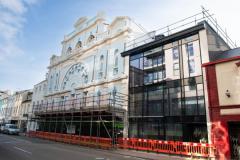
(104, 81)
(95, 45)
(57, 93)
(94, 84)
(76, 33)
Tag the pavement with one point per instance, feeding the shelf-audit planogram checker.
(25, 148)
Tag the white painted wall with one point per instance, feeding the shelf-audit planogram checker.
(228, 78)
(108, 39)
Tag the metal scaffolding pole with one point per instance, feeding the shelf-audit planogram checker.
(80, 126)
(93, 116)
(72, 115)
(45, 117)
(50, 119)
(56, 120)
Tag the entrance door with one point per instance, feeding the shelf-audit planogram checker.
(234, 136)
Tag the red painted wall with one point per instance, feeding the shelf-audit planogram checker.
(219, 128)
(219, 132)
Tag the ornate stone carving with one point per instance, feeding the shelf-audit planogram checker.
(77, 75)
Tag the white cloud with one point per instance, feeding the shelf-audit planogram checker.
(11, 23)
(14, 6)
(30, 2)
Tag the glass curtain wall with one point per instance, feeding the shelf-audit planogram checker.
(165, 109)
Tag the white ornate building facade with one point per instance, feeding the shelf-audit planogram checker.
(88, 70)
(90, 62)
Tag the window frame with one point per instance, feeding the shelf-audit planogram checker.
(176, 70)
(191, 66)
(190, 49)
(175, 53)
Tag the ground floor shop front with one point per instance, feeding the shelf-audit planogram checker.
(225, 132)
(185, 129)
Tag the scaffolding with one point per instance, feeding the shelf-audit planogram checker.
(100, 120)
(94, 116)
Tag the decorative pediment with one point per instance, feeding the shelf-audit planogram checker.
(80, 21)
(117, 19)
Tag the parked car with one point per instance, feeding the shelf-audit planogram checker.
(11, 129)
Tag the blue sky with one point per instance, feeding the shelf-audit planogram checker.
(32, 30)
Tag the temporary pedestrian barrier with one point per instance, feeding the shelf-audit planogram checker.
(105, 143)
(169, 147)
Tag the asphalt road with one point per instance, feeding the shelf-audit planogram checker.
(24, 148)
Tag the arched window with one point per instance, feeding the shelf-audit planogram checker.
(114, 93)
(101, 66)
(91, 37)
(98, 97)
(115, 68)
(79, 44)
(98, 93)
(51, 83)
(101, 62)
(116, 58)
(56, 82)
(75, 74)
(69, 50)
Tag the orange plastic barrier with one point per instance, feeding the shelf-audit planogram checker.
(170, 147)
(105, 143)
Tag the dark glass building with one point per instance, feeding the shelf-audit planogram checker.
(167, 92)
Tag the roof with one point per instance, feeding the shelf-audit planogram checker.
(166, 39)
(162, 40)
(45, 80)
(225, 56)
(228, 54)
(80, 21)
(116, 19)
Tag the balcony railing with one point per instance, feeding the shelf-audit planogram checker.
(191, 21)
(109, 101)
